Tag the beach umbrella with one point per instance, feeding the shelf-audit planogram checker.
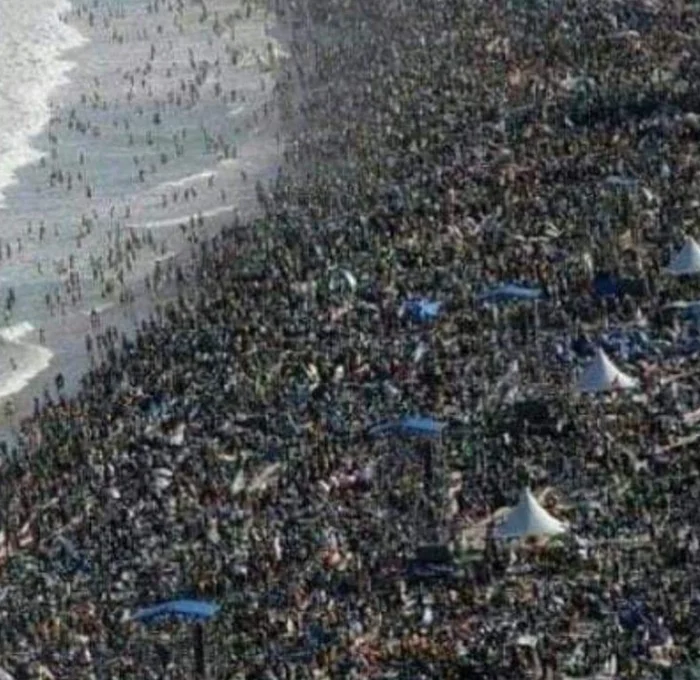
(421, 309)
(409, 426)
(429, 431)
(419, 426)
(687, 260)
(186, 610)
(529, 519)
(510, 292)
(196, 612)
(601, 375)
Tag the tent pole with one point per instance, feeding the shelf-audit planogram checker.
(538, 346)
(200, 669)
(428, 475)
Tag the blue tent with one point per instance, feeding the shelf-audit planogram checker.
(510, 292)
(421, 309)
(410, 426)
(187, 610)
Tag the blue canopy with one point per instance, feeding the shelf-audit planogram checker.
(411, 426)
(422, 309)
(418, 426)
(510, 292)
(188, 610)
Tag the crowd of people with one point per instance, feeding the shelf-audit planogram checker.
(435, 148)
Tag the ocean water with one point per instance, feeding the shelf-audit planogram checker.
(32, 40)
(122, 123)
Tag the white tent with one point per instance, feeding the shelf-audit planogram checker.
(601, 375)
(529, 518)
(686, 260)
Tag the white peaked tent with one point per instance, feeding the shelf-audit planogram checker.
(687, 260)
(529, 518)
(601, 375)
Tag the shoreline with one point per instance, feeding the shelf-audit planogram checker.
(257, 159)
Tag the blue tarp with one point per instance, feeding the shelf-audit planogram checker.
(188, 610)
(410, 426)
(510, 292)
(421, 309)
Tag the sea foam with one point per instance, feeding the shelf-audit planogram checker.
(20, 362)
(32, 41)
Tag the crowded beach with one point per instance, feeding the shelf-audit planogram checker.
(433, 412)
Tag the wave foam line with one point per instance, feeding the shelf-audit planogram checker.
(29, 360)
(15, 333)
(185, 219)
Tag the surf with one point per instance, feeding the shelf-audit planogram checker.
(33, 42)
(20, 362)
